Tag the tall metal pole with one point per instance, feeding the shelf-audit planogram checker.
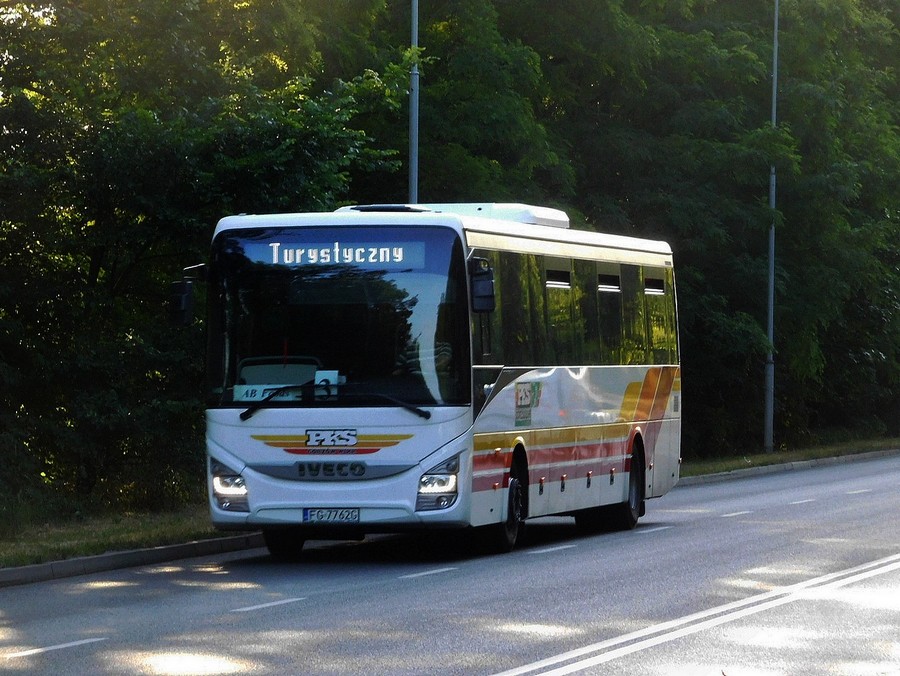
(769, 441)
(414, 112)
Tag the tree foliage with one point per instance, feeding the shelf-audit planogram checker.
(127, 128)
(669, 129)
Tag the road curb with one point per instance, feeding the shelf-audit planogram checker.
(84, 565)
(784, 467)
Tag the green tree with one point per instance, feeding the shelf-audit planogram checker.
(838, 327)
(663, 109)
(126, 129)
(480, 137)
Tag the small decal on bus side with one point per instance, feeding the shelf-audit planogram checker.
(528, 396)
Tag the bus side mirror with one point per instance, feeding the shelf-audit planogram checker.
(482, 276)
(181, 296)
(181, 302)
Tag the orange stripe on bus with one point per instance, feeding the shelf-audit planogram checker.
(648, 394)
(630, 401)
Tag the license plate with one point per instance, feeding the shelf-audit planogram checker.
(330, 515)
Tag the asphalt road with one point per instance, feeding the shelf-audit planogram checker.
(783, 574)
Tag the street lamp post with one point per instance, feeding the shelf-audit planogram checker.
(769, 440)
(414, 111)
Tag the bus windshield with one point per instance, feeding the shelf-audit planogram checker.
(361, 316)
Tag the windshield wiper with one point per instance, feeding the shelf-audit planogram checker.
(421, 412)
(257, 405)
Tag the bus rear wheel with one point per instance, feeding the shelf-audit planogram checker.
(625, 515)
(284, 544)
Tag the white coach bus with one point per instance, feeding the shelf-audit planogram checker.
(384, 368)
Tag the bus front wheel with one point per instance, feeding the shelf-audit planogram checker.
(503, 536)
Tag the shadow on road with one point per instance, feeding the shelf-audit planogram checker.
(432, 547)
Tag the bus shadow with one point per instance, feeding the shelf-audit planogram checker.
(431, 547)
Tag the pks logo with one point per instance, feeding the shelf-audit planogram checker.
(331, 437)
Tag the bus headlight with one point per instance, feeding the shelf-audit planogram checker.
(438, 486)
(228, 487)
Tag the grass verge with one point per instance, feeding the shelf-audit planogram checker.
(729, 464)
(41, 543)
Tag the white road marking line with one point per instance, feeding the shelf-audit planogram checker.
(730, 514)
(550, 550)
(802, 502)
(864, 490)
(697, 622)
(644, 531)
(436, 571)
(61, 646)
(282, 602)
(682, 511)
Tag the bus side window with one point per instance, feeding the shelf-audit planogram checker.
(519, 328)
(561, 321)
(590, 344)
(634, 325)
(609, 299)
(659, 293)
(536, 345)
(488, 326)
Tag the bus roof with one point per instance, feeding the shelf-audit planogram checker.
(518, 227)
(519, 213)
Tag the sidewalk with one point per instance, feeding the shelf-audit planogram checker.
(140, 557)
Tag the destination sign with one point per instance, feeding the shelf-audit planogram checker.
(379, 255)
